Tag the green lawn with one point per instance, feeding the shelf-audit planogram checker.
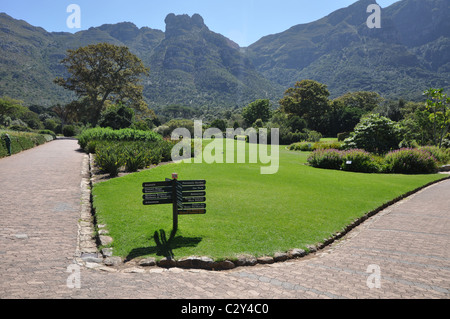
(246, 212)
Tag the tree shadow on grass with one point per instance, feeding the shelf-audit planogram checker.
(164, 246)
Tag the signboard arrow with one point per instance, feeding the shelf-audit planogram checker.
(157, 184)
(192, 212)
(147, 190)
(193, 183)
(157, 196)
(194, 206)
(157, 201)
(189, 194)
(193, 199)
(194, 188)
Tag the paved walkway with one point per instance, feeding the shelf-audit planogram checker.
(402, 252)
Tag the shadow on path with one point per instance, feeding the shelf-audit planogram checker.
(164, 246)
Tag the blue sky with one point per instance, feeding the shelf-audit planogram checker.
(243, 21)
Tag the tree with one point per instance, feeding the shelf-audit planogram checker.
(11, 108)
(117, 117)
(309, 100)
(66, 113)
(105, 72)
(220, 124)
(439, 106)
(376, 134)
(342, 118)
(363, 100)
(259, 109)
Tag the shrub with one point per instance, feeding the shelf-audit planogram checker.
(410, 161)
(342, 136)
(48, 132)
(134, 157)
(375, 134)
(91, 147)
(356, 160)
(442, 155)
(19, 128)
(302, 146)
(21, 141)
(68, 131)
(112, 156)
(50, 124)
(309, 146)
(327, 145)
(153, 156)
(166, 149)
(287, 137)
(109, 158)
(108, 134)
(313, 136)
(326, 158)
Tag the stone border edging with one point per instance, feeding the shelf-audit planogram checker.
(89, 239)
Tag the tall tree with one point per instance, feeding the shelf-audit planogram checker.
(259, 109)
(309, 100)
(10, 108)
(363, 100)
(105, 72)
(438, 104)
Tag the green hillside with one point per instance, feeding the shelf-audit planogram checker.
(195, 67)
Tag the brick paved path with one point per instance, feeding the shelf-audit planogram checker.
(406, 245)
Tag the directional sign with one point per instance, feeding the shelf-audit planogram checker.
(157, 184)
(178, 193)
(192, 212)
(190, 194)
(157, 201)
(193, 183)
(194, 188)
(194, 206)
(193, 199)
(148, 190)
(157, 196)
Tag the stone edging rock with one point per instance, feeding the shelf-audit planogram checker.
(89, 239)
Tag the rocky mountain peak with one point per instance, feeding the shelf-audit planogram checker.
(179, 24)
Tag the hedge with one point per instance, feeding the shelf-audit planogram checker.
(402, 161)
(108, 134)
(21, 141)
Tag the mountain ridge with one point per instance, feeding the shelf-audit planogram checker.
(193, 66)
(340, 47)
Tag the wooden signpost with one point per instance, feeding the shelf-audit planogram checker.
(187, 197)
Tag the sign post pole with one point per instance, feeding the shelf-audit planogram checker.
(175, 202)
(186, 197)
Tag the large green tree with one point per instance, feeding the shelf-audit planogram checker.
(10, 108)
(259, 109)
(364, 100)
(309, 100)
(438, 104)
(105, 73)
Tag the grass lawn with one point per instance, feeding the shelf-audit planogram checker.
(246, 212)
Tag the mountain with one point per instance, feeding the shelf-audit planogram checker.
(191, 65)
(409, 53)
(195, 66)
